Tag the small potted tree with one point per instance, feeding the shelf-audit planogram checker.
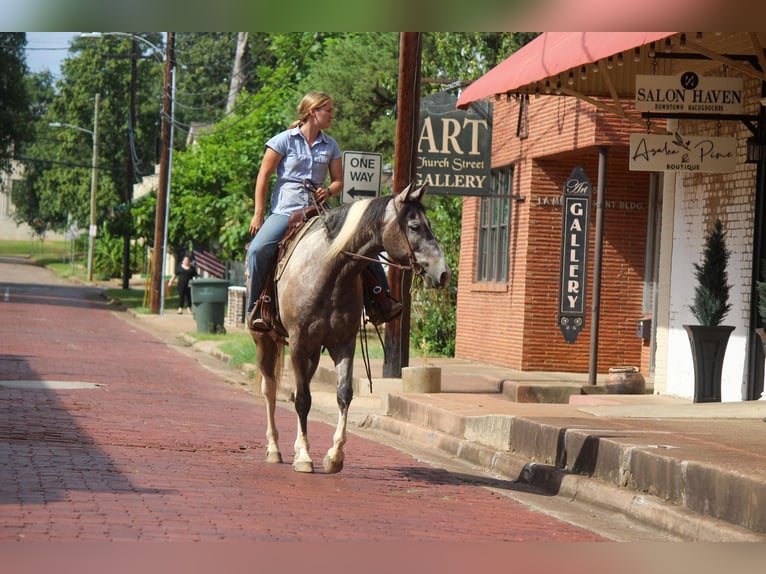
(710, 307)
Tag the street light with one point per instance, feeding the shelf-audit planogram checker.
(157, 291)
(93, 179)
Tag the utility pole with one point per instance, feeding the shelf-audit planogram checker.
(93, 188)
(162, 191)
(130, 169)
(397, 338)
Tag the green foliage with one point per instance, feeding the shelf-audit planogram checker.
(711, 295)
(360, 72)
(107, 254)
(434, 319)
(14, 98)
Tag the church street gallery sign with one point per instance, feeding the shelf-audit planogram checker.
(454, 147)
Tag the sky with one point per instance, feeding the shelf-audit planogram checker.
(46, 50)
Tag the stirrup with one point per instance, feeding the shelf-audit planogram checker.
(256, 323)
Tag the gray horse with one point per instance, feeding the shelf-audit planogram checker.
(320, 303)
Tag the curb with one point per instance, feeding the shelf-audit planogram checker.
(687, 524)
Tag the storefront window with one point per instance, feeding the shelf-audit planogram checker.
(494, 228)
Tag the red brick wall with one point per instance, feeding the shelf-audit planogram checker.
(514, 323)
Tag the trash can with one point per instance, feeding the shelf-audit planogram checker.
(209, 297)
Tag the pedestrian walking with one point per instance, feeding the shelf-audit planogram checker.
(185, 272)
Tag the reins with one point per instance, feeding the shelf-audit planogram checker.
(413, 266)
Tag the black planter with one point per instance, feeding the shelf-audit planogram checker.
(708, 349)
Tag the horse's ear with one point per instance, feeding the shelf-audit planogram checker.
(411, 194)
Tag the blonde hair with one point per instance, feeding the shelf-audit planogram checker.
(310, 101)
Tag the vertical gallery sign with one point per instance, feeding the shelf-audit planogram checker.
(574, 254)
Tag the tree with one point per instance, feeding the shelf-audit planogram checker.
(27, 207)
(711, 295)
(14, 98)
(212, 185)
(59, 164)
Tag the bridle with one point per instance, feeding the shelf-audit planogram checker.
(413, 265)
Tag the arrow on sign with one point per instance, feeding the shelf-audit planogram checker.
(353, 192)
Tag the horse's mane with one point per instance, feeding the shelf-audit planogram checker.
(343, 223)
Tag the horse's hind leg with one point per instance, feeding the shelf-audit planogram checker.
(333, 460)
(270, 356)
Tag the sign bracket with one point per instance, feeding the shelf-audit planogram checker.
(750, 120)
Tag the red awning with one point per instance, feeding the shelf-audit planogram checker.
(552, 54)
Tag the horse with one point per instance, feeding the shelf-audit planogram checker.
(320, 300)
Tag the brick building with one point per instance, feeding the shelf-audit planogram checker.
(653, 222)
(519, 307)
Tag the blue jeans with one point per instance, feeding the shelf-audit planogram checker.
(262, 254)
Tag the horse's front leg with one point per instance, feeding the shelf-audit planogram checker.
(333, 460)
(269, 390)
(302, 461)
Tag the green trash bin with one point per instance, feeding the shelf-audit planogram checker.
(209, 298)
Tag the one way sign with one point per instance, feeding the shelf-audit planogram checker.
(361, 175)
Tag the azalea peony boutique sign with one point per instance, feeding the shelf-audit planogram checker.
(676, 152)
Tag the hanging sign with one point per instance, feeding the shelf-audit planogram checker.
(454, 147)
(574, 254)
(676, 152)
(689, 93)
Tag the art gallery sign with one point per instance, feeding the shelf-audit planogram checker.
(453, 147)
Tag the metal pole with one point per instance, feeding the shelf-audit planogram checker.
(130, 167)
(93, 189)
(596, 309)
(167, 192)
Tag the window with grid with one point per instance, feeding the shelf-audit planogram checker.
(494, 228)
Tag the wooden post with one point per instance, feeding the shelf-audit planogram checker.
(159, 221)
(397, 334)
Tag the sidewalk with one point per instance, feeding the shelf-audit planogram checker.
(696, 470)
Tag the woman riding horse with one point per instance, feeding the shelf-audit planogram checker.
(320, 299)
(301, 156)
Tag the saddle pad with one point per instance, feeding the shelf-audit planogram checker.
(291, 247)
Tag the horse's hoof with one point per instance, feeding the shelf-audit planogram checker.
(303, 466)
(274, 457)
(332, 466)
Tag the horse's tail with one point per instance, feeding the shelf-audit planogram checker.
(279, 362)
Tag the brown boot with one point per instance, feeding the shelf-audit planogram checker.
(381, 307)
(378, 303)
(254, 321)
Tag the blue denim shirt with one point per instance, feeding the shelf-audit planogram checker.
(298, 164)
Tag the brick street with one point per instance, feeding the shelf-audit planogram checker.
(165, 450)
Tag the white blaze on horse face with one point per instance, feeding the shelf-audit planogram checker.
(431, 258)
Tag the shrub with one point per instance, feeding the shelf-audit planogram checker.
(711, 295)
